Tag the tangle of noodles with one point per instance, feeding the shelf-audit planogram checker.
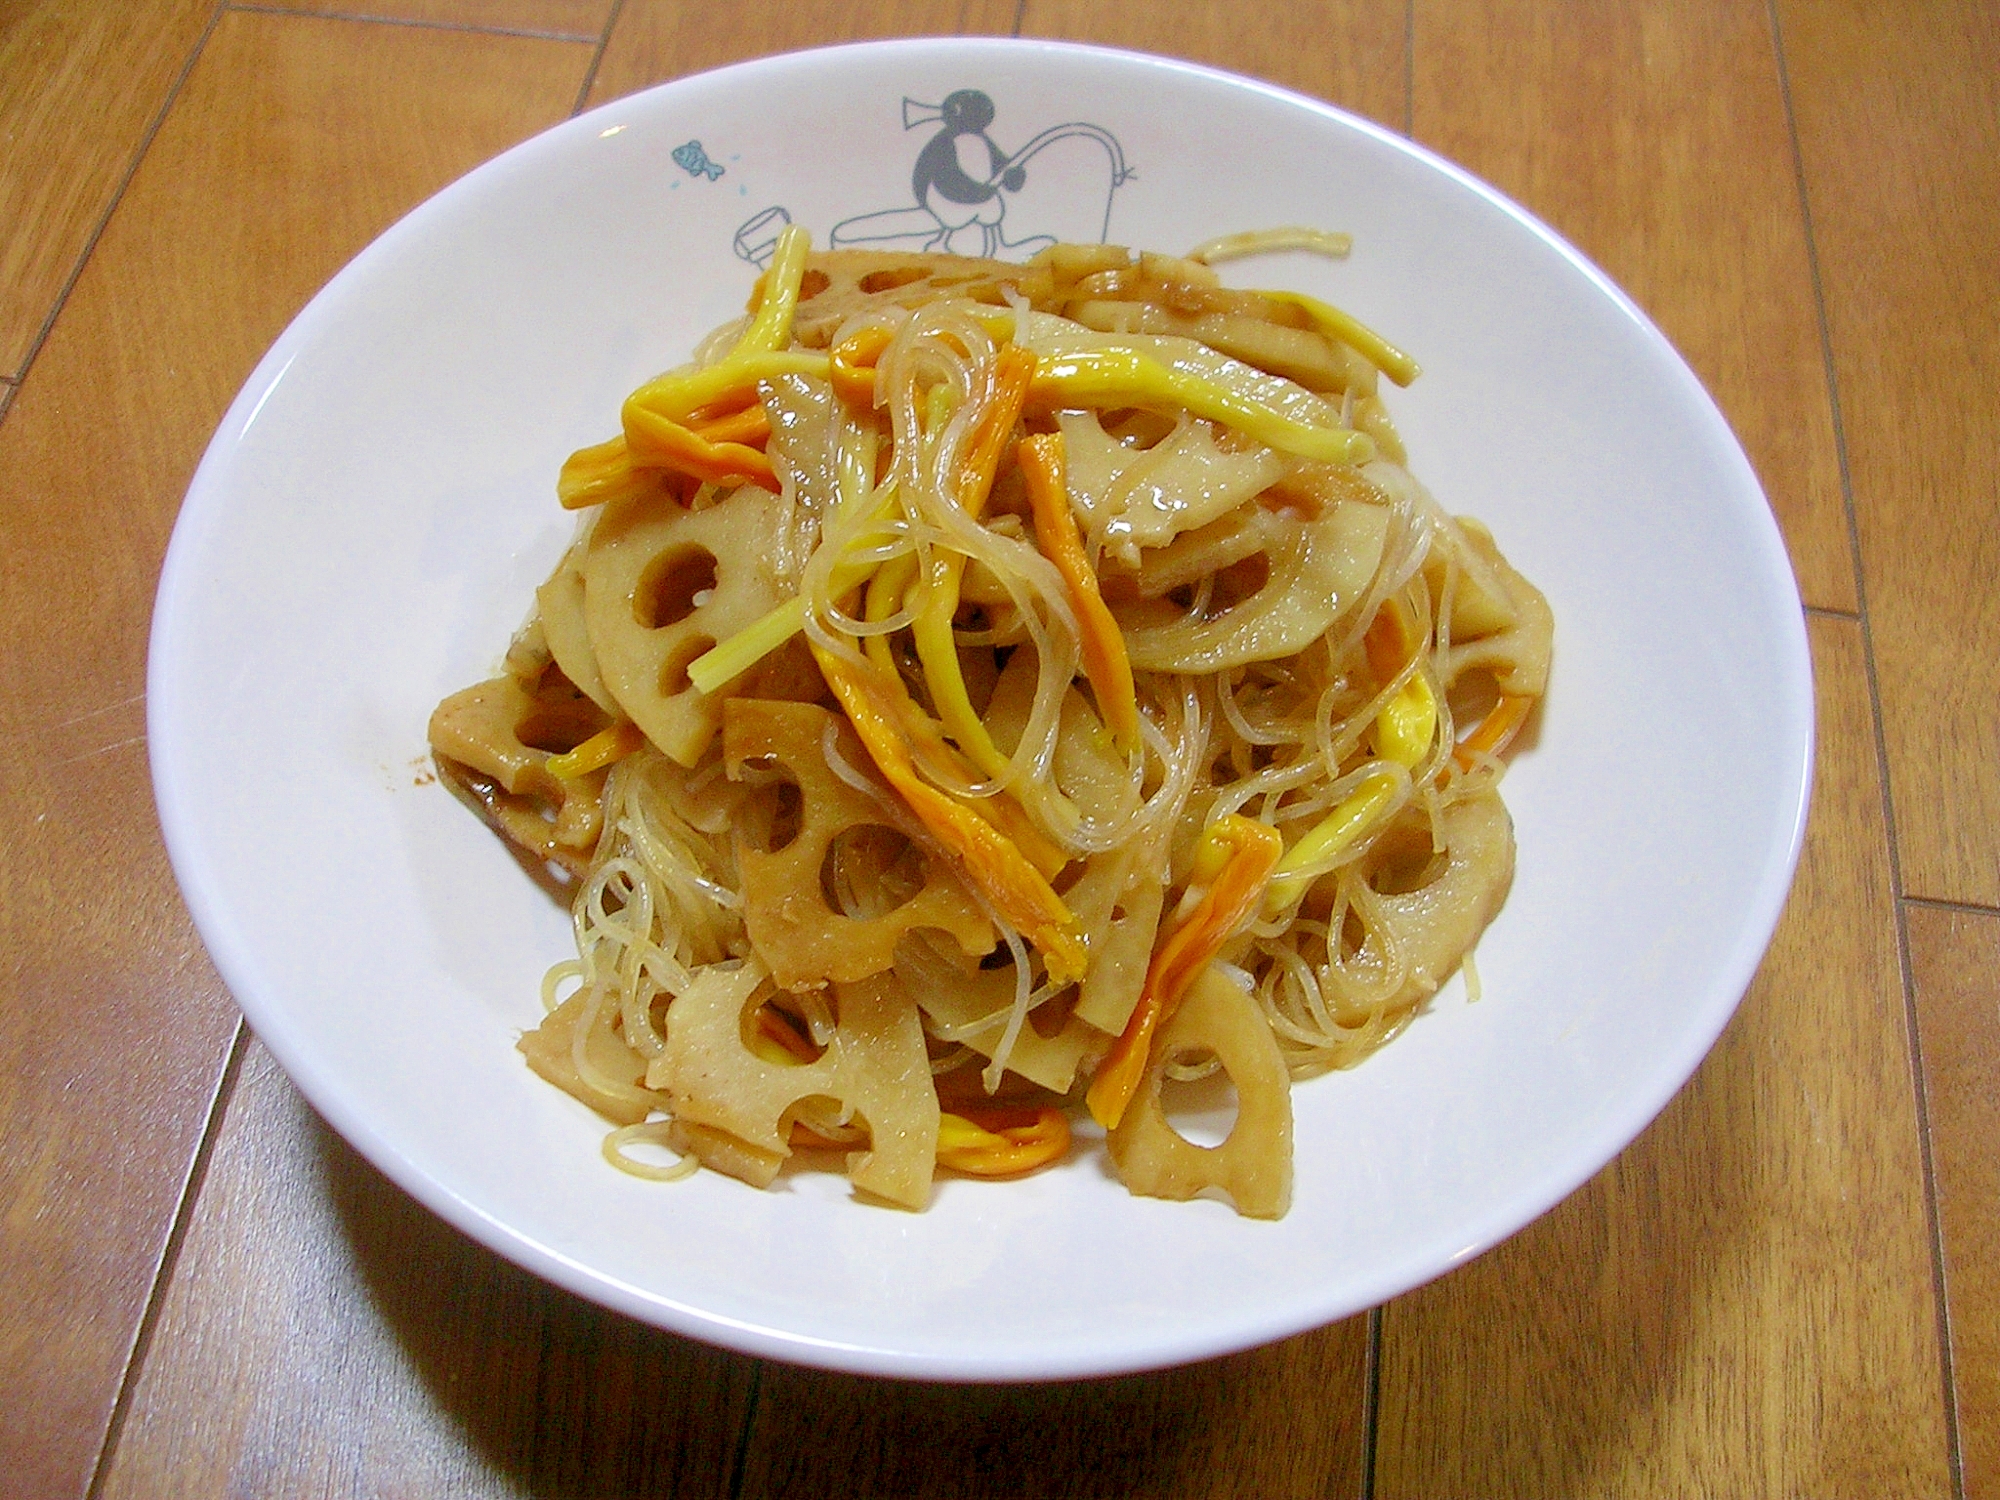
(979, 693)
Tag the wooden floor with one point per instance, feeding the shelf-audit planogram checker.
(1788, 1286)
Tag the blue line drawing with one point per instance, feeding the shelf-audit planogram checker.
(694, 161)
(965, 186)
(757, 236)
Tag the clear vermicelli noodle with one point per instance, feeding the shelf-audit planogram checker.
(978, 694)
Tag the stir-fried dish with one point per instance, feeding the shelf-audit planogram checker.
(982, 695)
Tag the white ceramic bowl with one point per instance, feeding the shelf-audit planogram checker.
(368, 525)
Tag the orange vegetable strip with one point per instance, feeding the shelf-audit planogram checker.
(608, 746)
(751, 426)
(853, 368)
(1502, 722)
(660, 442)
(1001, 1143)
(734, 400)
(1387, 641)
(1105, 663)
(1235, 896)
(972, 486)
(992, 861)
(884, 595)
(601, 472)
(1014, 372)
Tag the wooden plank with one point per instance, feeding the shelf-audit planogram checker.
(1352, 54)
(1614, 123)
(1742, 1303)
(575, 19)
(1899, 133)
(293, 142)
(80, 86)
(325, 1334)
(113, 1030)
(1954, 956)
(654, 40)
(1278, 1421)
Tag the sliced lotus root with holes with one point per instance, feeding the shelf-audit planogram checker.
(1437, 923)
(1312, 571)
(1118, 897)
(1050, 1045)
(493, 742)
(565, 631)
(793, 927)
(875, 1065)
(1253, 1166)
(839, 284)
(1500, 623)
(551, 1051)
(662, 584)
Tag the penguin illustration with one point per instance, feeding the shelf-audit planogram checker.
(960, 172)
(961, 177)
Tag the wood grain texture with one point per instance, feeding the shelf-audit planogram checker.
(1611, 121)
(112, 1033)
(1203, 1431)
(1742, 1303)
(576, 19)
(293, 142)
(326, 1335)
(1955, 964)
(80, 86)
(1899, 133)
(654, 40)
(1352, 54)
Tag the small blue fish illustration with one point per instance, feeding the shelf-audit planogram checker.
(694, 161)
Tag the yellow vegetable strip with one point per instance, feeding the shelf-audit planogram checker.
(852, 367)
(1231, 900)
(705, 444)
(1357, 335)
(606, 747)
(1125, 377)
(778, 299)
(972, 486)
(1105, 663)
(1407, 723)
(655, 441)
(1502, 722)
(1001, 1142)
(1017, 890)
(601, 472)
(1329, 837)
(722, 386)
(885, 597)
(750, 645)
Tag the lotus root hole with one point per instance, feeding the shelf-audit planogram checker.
(1201, 1111)
(770, 817)
(752, 1028)
(674, 670)
(889, 280)
(1405, 861)
(674, 585)
(558, 728)
(869, 871)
